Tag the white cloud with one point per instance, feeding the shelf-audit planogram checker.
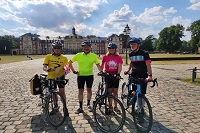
(169, 11)
(118, 18)
(195, 5)
(142, 25)
(186, 23)
(194, 1)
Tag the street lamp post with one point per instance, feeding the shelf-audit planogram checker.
(126, 33)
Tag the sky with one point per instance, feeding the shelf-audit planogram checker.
(95, 17)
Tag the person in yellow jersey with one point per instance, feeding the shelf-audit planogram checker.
(54, 64)
(85, 60)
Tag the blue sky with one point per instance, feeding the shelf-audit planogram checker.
(95, 17)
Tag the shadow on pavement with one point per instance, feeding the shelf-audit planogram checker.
(129, 126)
(40, 124)
(91, 122)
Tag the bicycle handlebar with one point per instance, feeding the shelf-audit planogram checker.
(56, 79)
(139, 80)
(109, 75)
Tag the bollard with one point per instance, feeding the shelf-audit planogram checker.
(194, 73)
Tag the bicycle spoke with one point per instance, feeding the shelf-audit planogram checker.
(56, 109)
(107, 120)
(143, 118)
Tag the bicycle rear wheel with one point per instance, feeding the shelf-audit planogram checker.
(143, 118)
(56, 109)
(106, 120)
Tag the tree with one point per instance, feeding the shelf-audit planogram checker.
(195, 35)
(7, 43)
(147, 44)
(90, 36)
(169, 39)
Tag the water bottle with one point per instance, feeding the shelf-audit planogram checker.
(130, 87)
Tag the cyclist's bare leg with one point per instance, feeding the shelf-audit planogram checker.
(140, 103)
(62, 91)
(115, 93)
(89, 93)
(80, 94)
(110, 100)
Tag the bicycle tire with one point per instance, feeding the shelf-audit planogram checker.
(143, 120)
(56, 114)
(108, 122)
(124, 95)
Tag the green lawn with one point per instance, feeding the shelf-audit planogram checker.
(196, 81)
(171, 61)
(15, 58)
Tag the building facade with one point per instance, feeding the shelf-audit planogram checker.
(33, 44)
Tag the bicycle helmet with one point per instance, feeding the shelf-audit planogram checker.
(57, 44)
(134, 40)
(86, 43)
(112, 45)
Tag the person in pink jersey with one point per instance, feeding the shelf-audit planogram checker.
(112, 64)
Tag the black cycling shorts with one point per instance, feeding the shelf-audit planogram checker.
(81, 80)
(59, 84)
(113, 82)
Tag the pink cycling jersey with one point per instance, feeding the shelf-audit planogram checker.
(111, 63)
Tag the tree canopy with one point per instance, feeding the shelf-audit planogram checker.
(170, 38)
(195, 34)
(7, 43)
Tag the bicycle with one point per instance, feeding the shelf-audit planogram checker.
(53, 103)
(106, 119)
(141, 108)
(101, 86)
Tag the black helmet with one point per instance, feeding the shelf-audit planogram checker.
(57, 44)
(112, 45)
(86, 43)
(134, 40)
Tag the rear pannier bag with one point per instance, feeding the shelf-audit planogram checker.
(35, 85)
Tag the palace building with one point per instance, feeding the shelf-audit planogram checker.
(30, 44)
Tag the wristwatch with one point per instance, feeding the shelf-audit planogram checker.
(150, 75)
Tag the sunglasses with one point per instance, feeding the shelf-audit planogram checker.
(111, 48)
(56, 48)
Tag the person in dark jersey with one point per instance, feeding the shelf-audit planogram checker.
(140, 65)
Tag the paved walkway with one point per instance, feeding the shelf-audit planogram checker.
(176, 105)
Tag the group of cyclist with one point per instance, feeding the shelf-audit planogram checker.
(140, 66)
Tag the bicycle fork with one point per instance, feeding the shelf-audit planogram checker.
(139, 103)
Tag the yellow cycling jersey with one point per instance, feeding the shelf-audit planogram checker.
(54, 61)
(85, 63)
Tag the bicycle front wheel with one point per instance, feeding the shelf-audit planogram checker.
(124, 95)
(143, 117)
(107, 120)
(56, 109)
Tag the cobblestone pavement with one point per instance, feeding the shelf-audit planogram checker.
(176, 106)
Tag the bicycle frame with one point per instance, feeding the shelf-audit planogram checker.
(106, 92)
(135, 94)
